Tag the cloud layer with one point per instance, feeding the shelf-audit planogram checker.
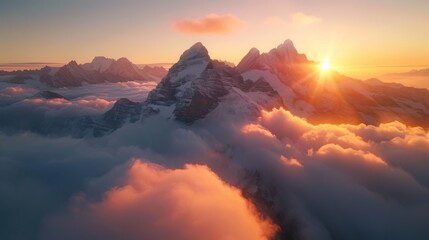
(157, 203)
(322, 181)
(332, 178)
(210, 24)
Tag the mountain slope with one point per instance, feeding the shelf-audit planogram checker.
(330, 97)
(195, 87)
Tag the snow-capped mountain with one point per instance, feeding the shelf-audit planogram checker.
(283, 59)
(99, 64)
(330, 97)
(72, 75)
(199, 88)
(101, 70)
(195, 87)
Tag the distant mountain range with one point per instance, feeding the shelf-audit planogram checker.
(416, 78)
(416, 72)
(100, 70)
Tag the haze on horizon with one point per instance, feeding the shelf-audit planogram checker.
(355, 35)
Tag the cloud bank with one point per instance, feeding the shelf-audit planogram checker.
(158, 203)
(333, 178)
(322, 181)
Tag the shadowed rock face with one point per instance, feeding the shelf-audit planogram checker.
(123, 111)
(196, 85)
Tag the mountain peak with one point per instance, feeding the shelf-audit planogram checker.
(124, 60)
(285, 50)
(250, 60)
(254, 51)
(287, 42)
(99, 63)
(99, 59)
(198, 50)
(72, 63)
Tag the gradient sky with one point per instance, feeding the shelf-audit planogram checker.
(352, 33)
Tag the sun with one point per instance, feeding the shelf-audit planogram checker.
(325, 65)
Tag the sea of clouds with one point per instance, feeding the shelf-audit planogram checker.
(249, 179)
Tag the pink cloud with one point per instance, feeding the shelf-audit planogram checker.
(158, 203)
(15, 90)
(97, 103)
(334, 151)
(210, 24)
(290, 162)
(279, 122)
(51, 102)
(256, 129)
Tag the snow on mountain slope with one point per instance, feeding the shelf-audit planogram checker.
(195, 87)
(197, 84)
(330, 97)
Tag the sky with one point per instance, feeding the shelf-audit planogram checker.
(351, 33)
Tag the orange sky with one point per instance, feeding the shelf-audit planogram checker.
(354, 35)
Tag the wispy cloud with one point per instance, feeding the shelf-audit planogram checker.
(300, 18)
(210, 24)
(296, 19)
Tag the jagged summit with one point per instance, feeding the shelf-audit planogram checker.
(284, 55)
(100, 58)
(254, 51)
(99, 63)
(124, 60)
(72, 63)
(197, 85)
(250, 61)
(285, 51)
(198, 50)
(100, 70)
